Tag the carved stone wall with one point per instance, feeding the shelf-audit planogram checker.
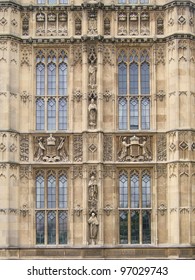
(93, 149)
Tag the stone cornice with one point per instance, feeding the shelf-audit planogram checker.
(99, 5)
(98, 38)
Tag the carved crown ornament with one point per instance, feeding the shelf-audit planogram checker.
(134, 148)
(51, 149)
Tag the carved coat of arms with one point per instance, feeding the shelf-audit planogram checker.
(51, 149)
(135, 149)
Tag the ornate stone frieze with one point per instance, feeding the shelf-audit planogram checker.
(161, 170)
(78, 148)
(108, 148)
(122, 23)
(134, 148)
(161, 147)
(77, 171)
(25, 24)
(24, 147)
(51, 149)
(172, 141)
(3, 168)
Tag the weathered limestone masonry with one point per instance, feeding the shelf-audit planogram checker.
(89, 152)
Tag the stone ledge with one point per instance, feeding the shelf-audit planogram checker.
(97, 252)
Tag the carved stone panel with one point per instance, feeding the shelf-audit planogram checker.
(24, 147)
(133, 148)
(108, 146)
(161, 143)
(77, 148)
(51, 149)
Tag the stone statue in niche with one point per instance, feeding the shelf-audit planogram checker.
(93, 228)
(93, 189)
(92, 114)
(135, 149)
(92, 74)
(51, 149)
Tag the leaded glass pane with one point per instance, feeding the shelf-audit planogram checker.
(146, 192)
(122, 79)
(134, 191)
(134, 113)
(144, 1)
(123, 190)
(62, 192)
(51, 192)
(145, 111)
(133, 1)
(133, 78)
(145, 78)
(40, 1)
(135, 227)
(146, 227)
(40, 192)
(51, 79)
(40, 79)
(52, 2)
(40, 114)
(40, 228)
(62, 114)
(122, 113)
(51, 114)
(63, 230)
(62, 79)
(123, 221)
(122, 1)
(51, 227)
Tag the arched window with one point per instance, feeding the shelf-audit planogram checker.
(133, 87)
(52, 85)
(51, 212)
(135, 207)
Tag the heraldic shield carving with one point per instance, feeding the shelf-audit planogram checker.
(134, 148)
(51, 149)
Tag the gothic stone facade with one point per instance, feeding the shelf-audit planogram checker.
(97, 138)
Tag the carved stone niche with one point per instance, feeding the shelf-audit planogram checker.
(51, 149)
(134, 149)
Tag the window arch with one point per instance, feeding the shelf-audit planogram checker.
(134, 90)
(52, 86)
